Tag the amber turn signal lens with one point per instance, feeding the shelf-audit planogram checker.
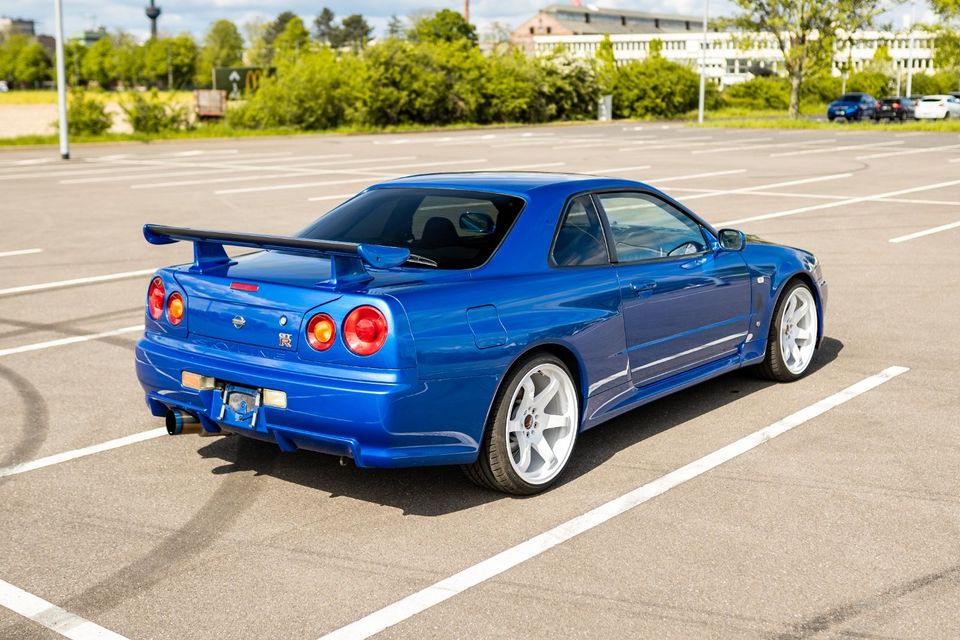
(321, 331)
(175, 308)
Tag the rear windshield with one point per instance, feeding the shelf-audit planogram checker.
(851, 97)
(443, 229)
(892, 100)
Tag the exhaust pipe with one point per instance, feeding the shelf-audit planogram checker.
(178, 422)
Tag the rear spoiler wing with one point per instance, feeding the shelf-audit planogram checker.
(348, 260)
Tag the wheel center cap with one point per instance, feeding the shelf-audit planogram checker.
(527, 422)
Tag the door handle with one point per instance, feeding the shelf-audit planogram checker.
(693, 264)
(641, 287)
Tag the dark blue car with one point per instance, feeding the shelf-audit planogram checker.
(477, 319)
(853, 106)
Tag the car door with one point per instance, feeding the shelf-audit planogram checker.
(685, 301)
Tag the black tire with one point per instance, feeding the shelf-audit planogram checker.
(493, 469)
(773, 366)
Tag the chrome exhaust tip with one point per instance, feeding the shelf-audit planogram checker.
(178, 422)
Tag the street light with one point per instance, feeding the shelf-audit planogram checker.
(61, 82)
(703, 61)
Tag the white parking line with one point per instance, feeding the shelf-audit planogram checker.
(601, 172)
(770, 145)
(772, 185)
(100, 167)
(60, 284)
(51, 616)
(907, 152)
(66, 456)
(71, 340)
(840, 203)
(926, 232)
(386, 175)
(18, 252)
(289, 172)
(847, 147)
(458, 583)
(691, 176)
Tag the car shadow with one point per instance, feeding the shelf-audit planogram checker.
(434, 491)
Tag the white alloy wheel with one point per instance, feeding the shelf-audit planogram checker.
(541, 423)
(798, 330)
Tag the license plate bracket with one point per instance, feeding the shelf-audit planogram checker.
(239, 405)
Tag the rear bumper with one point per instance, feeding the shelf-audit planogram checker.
(379, 418)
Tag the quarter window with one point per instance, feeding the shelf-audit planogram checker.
(580, 238)
(646, 228)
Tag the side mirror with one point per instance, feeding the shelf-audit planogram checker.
(477, 222)
(732, 239)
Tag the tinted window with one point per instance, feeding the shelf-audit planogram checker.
(456, 229)
(580, 238)
(850, 97)
(645, 227)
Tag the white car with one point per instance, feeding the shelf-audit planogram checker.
(937, 107)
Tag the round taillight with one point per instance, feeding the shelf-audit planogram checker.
(321, 331)
(365, 330)
(175, 308)
(155, 295)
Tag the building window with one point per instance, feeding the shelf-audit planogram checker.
(656, 23)
(531, 30)
(586, 18)
(549, 29)
(687, 25)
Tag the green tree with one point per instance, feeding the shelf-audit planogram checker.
(32, 66)
(73, 53)
(126, 61)
(353, 32)
(946, 52)
(395, 28)
(222, 47)
(805, 32)
(96, 65)
(323, 25)
(87, 115)
(655, 48)
(292, 42)
(258, 54)
(9, 52)
(607, 66)
(446, 26)
(946, 8)
(166, 60)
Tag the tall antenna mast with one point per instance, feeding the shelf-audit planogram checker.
(466, 10)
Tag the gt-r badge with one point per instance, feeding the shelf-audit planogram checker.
(286, 340)
(238, 322)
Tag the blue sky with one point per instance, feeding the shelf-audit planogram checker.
(194, 15)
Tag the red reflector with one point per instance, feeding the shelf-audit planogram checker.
(243, 286)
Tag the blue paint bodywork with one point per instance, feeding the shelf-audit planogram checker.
(425, 396)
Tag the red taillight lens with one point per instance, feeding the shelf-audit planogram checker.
(175, 308)
(365, 330)
(877, 105)
(321, 332)
(896, 105)
(155, 295)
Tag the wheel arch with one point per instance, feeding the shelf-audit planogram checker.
(807, 279)
(565, 354)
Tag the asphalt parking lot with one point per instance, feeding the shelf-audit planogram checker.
(847, 525)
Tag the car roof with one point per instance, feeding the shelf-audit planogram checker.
(509, 182)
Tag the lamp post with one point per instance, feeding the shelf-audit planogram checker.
(703, 61)
(61, 82)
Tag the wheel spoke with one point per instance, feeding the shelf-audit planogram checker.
(803, 335)
(529, 391)
(544, 451)
(799, 312)
(795, 353)
(523, 444)
(556, 422)
(791, 306)
(514, 426)
(543, 398)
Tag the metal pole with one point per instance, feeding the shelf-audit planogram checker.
(703, 61)
(913, 12)
(61, 82)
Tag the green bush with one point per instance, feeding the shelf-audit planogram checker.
(513, 91)
(655, 88)
(87, 116)
(321, 90)
(924, 84)
(875, 83)
(148, 113)
(569, 87)
(820, 88)
(759, 93)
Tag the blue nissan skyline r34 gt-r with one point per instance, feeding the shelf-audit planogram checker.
(478, 319)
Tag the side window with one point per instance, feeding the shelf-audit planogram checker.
(646, 228)
(580, 239)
